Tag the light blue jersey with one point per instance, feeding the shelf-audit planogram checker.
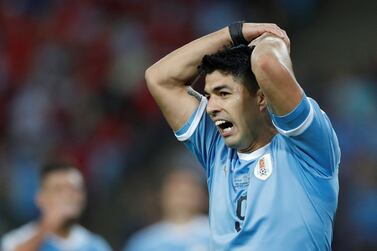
(79, 239)
(166, 236)
(281, 197)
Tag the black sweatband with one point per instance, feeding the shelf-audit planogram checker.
(235, 31)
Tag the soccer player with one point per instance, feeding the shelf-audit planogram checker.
(270, 153)
(183, 227)
(61, 199)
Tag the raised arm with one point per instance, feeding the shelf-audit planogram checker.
(272, 68)
(312, 134)
(168, 78)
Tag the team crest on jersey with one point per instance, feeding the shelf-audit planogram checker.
(263, 169)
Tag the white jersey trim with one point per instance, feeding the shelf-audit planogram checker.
(301, 128)
(195, 122)
(253, 155)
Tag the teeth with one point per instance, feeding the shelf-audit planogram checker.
(219, 122)
(227, 129)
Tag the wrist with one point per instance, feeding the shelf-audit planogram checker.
(225, 36)
(235, 31)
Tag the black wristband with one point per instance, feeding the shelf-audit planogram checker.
(235, 31)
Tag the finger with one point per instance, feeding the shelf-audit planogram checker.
(274, 29)
(260, 38)
(280, 33)
(287, 40)
(252, 30)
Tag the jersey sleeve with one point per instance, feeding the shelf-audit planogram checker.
(309, 132)
(200, 135)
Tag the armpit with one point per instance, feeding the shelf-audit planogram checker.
(194, 93)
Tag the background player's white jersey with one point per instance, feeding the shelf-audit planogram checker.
(79, 239)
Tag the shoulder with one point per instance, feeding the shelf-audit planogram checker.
(152, 232)
(82, 235)
(306, 115)
(148, 238)
(17, 236)
(188, 129)
(200, 225)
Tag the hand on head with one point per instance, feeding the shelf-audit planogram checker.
(256, 32)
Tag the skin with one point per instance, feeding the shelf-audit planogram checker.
(230, 100)
(182, 197)
(61, 200)
(271, 65)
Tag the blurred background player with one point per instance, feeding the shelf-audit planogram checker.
(182, 228)
(61, 200)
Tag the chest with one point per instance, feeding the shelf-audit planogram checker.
(237, 178)
(249, 191)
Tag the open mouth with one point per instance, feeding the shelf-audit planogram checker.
(224, 126)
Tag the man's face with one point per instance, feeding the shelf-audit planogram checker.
(182, 194)
(233, 109)
(62, 191)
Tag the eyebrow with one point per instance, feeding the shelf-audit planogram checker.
(216, 89)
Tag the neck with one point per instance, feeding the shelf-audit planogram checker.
(64, 231)
(260, 140)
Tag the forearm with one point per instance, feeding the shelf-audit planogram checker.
(272, 67)
(180, 66)
(167, 78)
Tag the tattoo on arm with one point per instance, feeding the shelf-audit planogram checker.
(194, 93)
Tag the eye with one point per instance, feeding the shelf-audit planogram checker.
(223, 94)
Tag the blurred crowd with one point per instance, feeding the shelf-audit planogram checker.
(72, 86)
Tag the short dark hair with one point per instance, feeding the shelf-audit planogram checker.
(55, 166)
(235, 61)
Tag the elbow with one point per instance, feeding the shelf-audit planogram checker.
(262, 63)
(266, 57)
(149, 75)
(152, 78)
(155, 79)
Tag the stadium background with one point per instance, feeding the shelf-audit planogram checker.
(72, 84)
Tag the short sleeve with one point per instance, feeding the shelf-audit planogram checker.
(310, 134)
(200, 136)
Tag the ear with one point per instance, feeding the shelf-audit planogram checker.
(261, 100)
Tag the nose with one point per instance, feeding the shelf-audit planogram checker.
(213, 107)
